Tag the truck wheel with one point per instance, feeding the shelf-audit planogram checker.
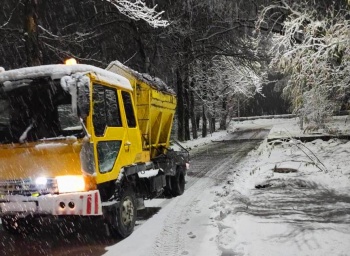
(168, 193)
(124, 218)
(178, 183)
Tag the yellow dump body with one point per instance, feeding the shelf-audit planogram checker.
(155, 106)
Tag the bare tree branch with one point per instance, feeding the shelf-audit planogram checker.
(11, 14)
(137, 10)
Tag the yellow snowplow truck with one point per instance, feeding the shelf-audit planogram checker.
(77, 140)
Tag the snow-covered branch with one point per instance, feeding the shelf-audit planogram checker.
(76, 37)
(222, 81)
(59, 52)
(138, 10)
(314, 51)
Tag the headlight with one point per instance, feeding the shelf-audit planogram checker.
(70, 183)
(41, 181)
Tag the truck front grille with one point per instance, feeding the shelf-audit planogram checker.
(27, 187)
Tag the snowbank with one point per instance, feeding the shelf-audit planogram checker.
(304, 212)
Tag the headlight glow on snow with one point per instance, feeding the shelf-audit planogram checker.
(70, 183)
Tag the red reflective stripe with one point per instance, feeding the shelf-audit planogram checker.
(96, 203)
(88, 206)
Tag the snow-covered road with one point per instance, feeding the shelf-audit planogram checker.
(185, 225)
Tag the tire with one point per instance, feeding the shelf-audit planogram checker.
(168, 193)
(178, 182)
(124, 215)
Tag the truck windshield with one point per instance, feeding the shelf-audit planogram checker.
(35, 110)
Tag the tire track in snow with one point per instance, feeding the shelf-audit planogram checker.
(172, 239)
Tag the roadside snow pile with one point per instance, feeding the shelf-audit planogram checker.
(287, 128)
(307, 212)
(194, 143)
(325, 162)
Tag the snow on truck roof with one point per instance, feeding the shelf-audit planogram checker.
(57, 71)
(154, 82)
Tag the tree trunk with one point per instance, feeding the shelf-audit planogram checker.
(223, 114)
(212, 121)
(193, 114)
(238, 108)
(187, 57)
(187, 110)
(204, 123)
(198, 120)
(212, 124)
(180, 107)
(145, 68)
(32, 43)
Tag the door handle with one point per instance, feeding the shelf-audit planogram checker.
(127, 146)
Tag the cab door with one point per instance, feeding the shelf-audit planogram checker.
(109, 133)
(134, 142)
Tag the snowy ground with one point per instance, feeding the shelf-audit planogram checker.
(256, 210)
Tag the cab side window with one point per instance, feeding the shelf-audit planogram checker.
(106, 112)
(129, 110)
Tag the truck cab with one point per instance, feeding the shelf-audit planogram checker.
(71, 143)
